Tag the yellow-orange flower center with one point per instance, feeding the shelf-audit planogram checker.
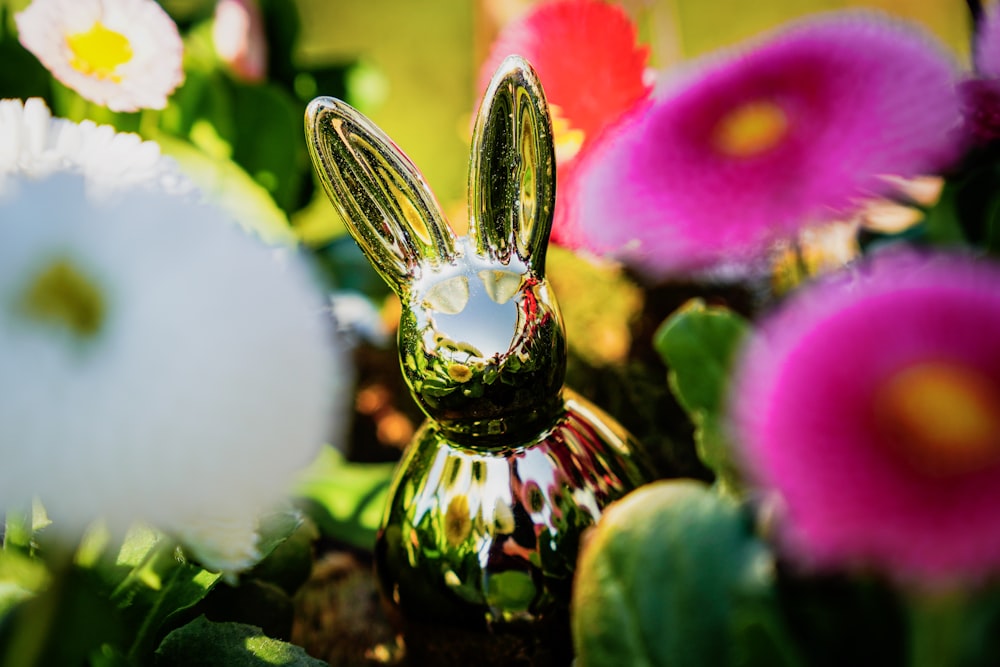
(567, 139)
(99, 52)
(61, 295)
(750, 129)
(457, 520)
(942, 417)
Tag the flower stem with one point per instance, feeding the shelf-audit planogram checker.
(936, 630)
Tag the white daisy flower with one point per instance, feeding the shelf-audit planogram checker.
(156, 364)
(123, 54)
(34, 144)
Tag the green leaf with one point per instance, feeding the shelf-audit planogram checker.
(21, 577)
(61, 625)
(290, 564)
(253, 602)
(154, 586)
(345, 499)
(109, 656)
(511, 590)
(269, 144)
(231, 188)
(275, 528)
(699, 344)
(673, 575)
(203, 98)
(202, 642)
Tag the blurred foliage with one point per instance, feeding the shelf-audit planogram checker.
(346, 499)
(674, 575)
(109, 604)
(409, 69)
(699, 345)
(680, 29)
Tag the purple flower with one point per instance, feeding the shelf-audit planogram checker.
(871, 404)
(753, 146)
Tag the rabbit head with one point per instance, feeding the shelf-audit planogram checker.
(481, 339)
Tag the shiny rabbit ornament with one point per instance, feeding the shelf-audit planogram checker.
(481, 532)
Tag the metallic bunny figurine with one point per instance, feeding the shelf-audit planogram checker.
(488, 504)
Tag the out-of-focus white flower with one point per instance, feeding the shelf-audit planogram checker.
(34, 144)
(156, 364)
(238, 35)
(123, 54)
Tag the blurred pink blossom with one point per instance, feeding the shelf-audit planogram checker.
(751, 146)
(238, 35)
(871, 403)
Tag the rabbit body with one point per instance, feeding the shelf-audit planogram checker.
(488, 504)
(482, 537)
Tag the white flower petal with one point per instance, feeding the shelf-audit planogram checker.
(35, 144)
(148, 75)
(209, 382)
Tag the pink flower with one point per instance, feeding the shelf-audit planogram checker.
(238, 35)
(871, 404)
(753, 146)
(592, 70)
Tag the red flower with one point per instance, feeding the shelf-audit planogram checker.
(591, 68)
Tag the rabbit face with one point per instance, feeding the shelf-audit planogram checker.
(481, 342)
(481, 338)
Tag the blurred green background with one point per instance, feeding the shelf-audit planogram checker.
(412, 64)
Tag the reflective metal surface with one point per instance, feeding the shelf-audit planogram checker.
(489, 502)
(476, 537)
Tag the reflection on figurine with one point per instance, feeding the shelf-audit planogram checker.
(490, 500)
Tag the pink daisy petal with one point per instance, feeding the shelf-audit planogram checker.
(809, 412)
(591, 67)
(754, 146)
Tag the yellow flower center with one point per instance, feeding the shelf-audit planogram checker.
(62, 296)
(99, 52)
(567, 140)
(750, 129)
(944, 418)
(457, 520)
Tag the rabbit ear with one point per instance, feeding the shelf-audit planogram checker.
(385, 203)
(512, 178)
